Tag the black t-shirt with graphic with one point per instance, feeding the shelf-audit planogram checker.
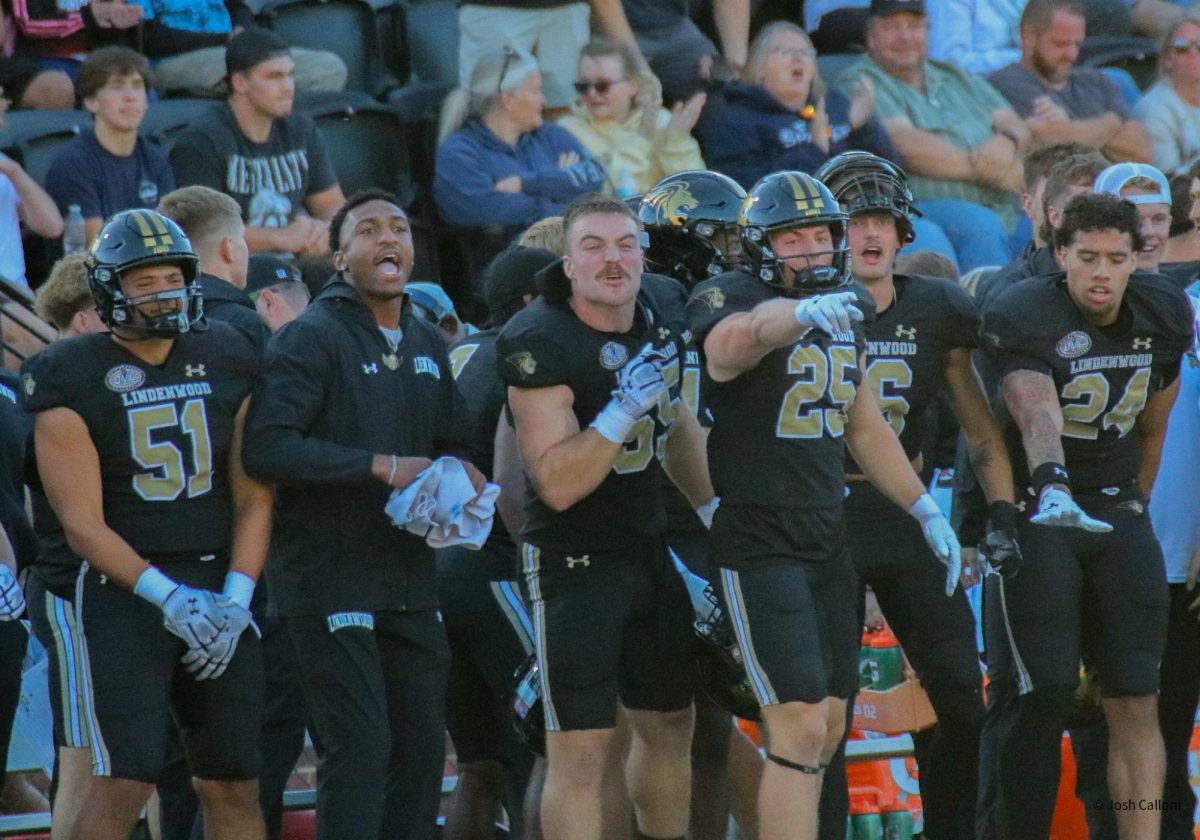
(268, 180)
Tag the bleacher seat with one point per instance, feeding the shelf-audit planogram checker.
(832, 65)
(365, 141)
(419, 105)
(33, 138)
(346, 27)
(432, 31)
(167, 118)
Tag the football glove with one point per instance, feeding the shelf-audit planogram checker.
(191, 614)
(210, 663)
(1056, 508)
(12, 598)
(999, 547)
(940, 537)
(640, 385)
(833, 313)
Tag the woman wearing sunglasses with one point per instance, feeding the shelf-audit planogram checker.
(1170, 110)
(620, 121)
(780, 116)
(498, 165)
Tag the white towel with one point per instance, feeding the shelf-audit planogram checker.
(440, 505)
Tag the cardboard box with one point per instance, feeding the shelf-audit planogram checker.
(904, 708)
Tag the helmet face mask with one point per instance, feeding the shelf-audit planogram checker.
(865, 183)
(789, 200)
(139, 238)
(718, 659)
(683, 217)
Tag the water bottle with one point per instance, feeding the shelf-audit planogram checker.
(867, 826)
(897, 823)
(887, 662)
(74, 237)
(865, 658)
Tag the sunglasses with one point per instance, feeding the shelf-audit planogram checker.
(1182, 46)
(601, 86)
(510, 55)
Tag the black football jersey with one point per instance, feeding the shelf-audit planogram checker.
(545, 345)
(777, 429)
(163, 434)
(1103, 375)
(907, 351)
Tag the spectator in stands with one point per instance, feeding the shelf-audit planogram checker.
(957, 136)
(638, 142)
(186, 39)
(1059, 101)
(212, 222)
(1185, 245)
(837, 26)
(671, 44)
(22, 200)
(24, 81)
(255, 148)
(780, 116)
(277, 289)
(552, 30)
(110, 168)
(1036, 165)
(977, 35)
(498, 164)
(1171, 108)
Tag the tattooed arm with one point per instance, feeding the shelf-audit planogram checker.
(985, 444)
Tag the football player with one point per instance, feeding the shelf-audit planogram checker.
(782, 347)
(594, 389)
(1090, 361)
(918, 345)
(690, 225)
(137, 434)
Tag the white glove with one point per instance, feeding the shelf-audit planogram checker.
(707, 510)
(210, 663)
(1056, 508)
(640, 384)
(833, 313)
(940, 537)
(191, 614)
(12, 598)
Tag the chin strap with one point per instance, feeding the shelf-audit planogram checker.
(806, 769)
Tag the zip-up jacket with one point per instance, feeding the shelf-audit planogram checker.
(224, 301)
(333, 395)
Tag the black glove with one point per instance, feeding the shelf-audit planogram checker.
(999, 547)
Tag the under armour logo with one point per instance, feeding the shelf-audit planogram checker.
(663, 333)
(194, 370)
(909, 334)
(1142, 343)
(584, 561)
(193, 606)
(371, 368)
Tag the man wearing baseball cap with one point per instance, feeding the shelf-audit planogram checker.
(277, 290)
(272, 161)
(1147, 188)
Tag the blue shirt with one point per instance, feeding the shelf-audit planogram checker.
(191, 15)
(1175, 502)
(101, 183)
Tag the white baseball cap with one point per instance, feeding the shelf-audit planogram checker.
(1114, 179)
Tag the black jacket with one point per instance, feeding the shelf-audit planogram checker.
(328, 402)
(224, 301)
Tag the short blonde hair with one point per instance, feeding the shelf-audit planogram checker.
(65, 293)
(203, 213)
(546, 233)
(756, 59)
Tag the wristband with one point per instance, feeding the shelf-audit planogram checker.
(392, 474)
(239, 588)
(924, 509)
(1002, 516)
(154, 586)
(1049, 473)
(613, 422)
(706, 511)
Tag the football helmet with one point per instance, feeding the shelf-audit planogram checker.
(719, 659)
(785, 200)
(866, 183)
(680, 217)
(136, 238)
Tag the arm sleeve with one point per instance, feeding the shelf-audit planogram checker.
(320, 168)
(1018, 89)
(160, 41)
(563, 185)
(240, 14)
(465, 194)
(70, 182)
(1003, 342)
(527, 359)
(288, 399)
(195, 161)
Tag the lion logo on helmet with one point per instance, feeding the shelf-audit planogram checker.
(673, 202)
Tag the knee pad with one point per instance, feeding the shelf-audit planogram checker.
(806, 769)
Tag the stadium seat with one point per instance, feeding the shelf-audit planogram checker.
(33, 138)
(167, 118)
(432, 32)
(365, 141)
(346, 27)
(832, 65)
(419, 106)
